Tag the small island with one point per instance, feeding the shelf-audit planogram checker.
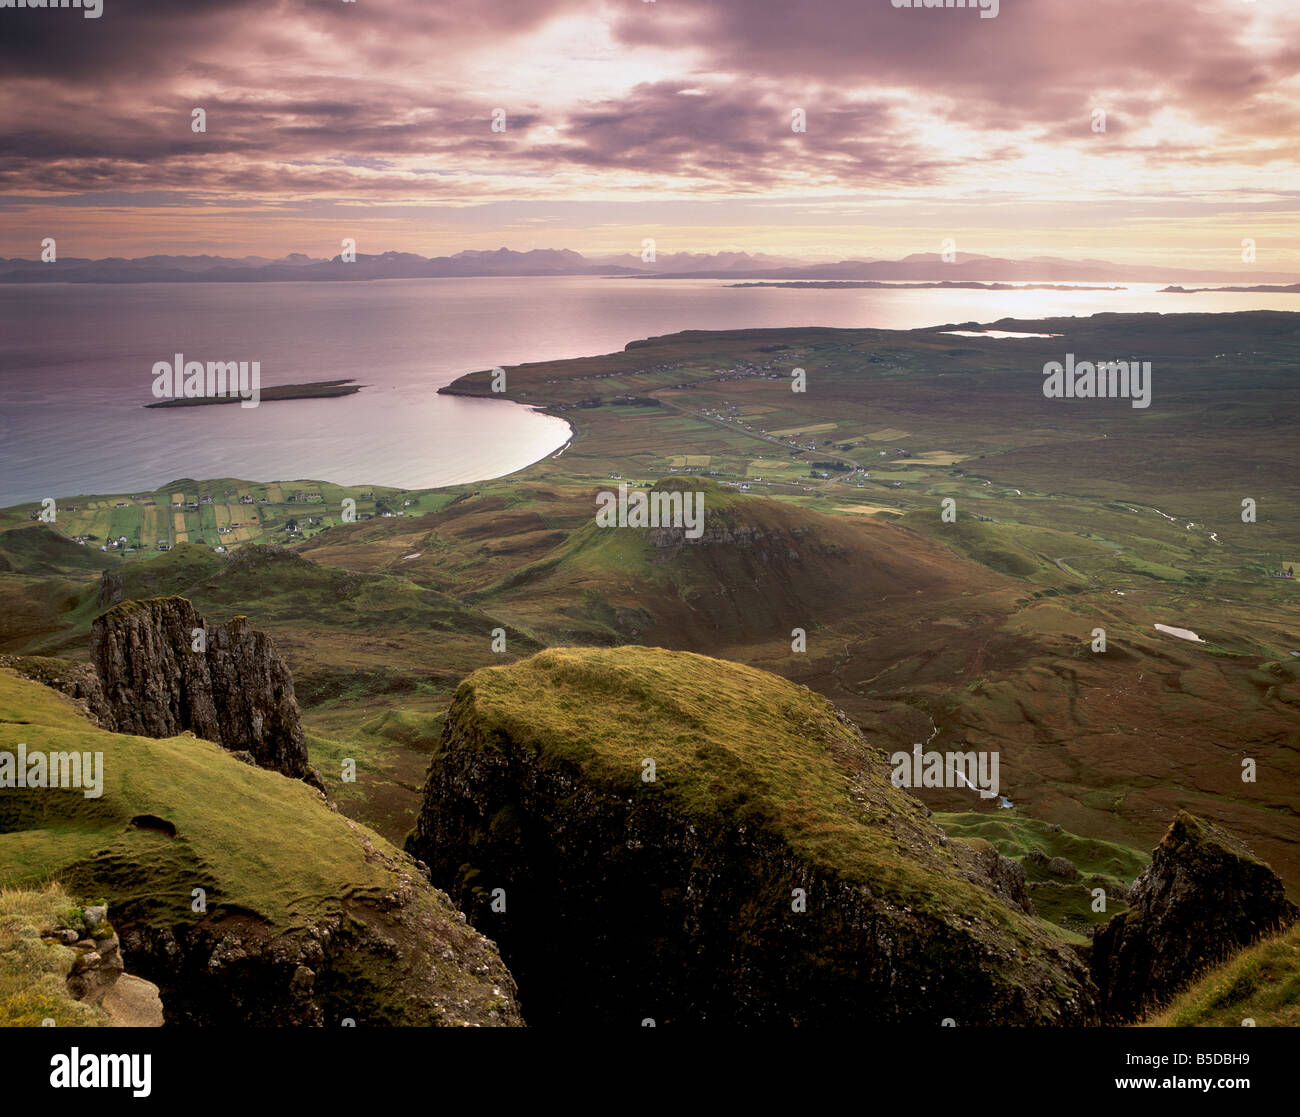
(1264, 288)
(316, 389)
(896, 285)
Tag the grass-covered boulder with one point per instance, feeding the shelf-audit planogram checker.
(237, 890)
(660, 835)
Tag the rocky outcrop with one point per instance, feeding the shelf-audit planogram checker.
(1203, 897)
(112, 589)
(406, 958)
(162, 671)
(1003, 876)
(769, 874)
(96, 976)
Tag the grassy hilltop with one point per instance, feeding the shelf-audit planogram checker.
(761, 791)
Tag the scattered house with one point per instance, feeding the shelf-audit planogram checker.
(121, 504)
(163, 545)
(219, 550)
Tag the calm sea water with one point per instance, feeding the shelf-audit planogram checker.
(76, 367)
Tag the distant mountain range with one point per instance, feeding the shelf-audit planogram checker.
(551, 261)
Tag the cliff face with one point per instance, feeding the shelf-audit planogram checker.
(769, 874)
(237, 691)
(1202, 898)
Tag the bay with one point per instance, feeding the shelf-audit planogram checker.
(76, 366)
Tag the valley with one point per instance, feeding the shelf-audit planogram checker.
(1037, 623)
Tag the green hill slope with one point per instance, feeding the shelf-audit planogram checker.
(1261, 984)
(308, 916)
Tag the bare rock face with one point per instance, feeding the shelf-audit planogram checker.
(1002, 876)
(111, 589)
(234, 690)
(1203, 897)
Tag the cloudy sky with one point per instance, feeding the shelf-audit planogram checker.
(669, 118)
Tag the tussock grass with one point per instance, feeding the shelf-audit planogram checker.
(1262, 983)
(33, 975)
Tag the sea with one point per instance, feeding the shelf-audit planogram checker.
(76, 367)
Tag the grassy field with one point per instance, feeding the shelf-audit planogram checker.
(156, 521)
(1063, 893)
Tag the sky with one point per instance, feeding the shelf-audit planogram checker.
(618, 120)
